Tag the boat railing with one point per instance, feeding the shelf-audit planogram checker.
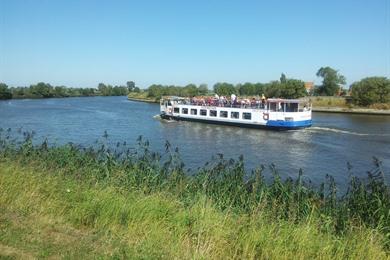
(217, 103)
(243, 104)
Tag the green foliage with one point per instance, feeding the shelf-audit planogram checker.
(146, 204)
(190, 90)
(108, 90)
(130, 85)
(286, 88)
(250, 89)
(371, 90)
(273, 89)
(331, 81)
(203, 90)
(5, 93)
(283, 78)
(41, 90)
(293, 88)
(222, 181)
(224, 89)
(45, 90)
(45, 213)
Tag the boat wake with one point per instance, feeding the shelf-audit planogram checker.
(335, 130)
(158, 117)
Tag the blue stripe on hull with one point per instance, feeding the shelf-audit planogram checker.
(289, 124)
(274, 125)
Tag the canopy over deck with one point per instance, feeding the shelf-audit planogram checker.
(282, 100)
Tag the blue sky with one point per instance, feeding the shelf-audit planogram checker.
(82, 43)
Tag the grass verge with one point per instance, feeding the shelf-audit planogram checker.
(45, 214)
(76, 202)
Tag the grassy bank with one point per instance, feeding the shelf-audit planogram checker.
(142, 96)
(75, 202)
(322, 102)
(329, 102)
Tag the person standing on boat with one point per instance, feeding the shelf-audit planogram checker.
(263, 101)
(233, 99)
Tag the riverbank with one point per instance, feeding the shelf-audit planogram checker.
(83, 203)
(363, 111)
(141, 97)
(143, 100)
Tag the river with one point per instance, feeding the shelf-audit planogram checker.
(325, 148)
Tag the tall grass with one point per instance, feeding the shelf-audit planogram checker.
(222, 184)
(329, 101)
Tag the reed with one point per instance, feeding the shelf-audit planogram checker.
(222, 210)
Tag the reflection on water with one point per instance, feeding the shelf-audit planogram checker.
(325, 148)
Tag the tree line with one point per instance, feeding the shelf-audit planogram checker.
(365, 92)
(287, 88)
(190, 90)
(283, 88)
(45, 90)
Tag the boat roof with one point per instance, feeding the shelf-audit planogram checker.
(269, 100)
(174, 98)
(275, 100)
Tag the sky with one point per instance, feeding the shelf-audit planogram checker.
(82, 43)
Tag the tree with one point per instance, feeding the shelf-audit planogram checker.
(155, 91)
(247, 89)
(259, 88)
(283, 78)
(42, 90)
(130, 85)
(331, 81)
(190, 89)
(371, 90)
(273, 89)
(60, 91)
(5, 93)
(203, 89)
(293, 88)
(105, 90)
(224, 89)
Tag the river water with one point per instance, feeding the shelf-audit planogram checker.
(325, 148)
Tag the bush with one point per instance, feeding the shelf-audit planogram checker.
(5, 93)
(371, 90)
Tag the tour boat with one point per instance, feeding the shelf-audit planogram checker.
(280, 114)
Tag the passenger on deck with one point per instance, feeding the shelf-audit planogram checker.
(263, 100)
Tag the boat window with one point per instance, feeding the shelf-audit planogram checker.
(203, 112)
(272, 106)
(235, 115)
(184, 110)
(292, 107)
(176, 110)
(213, 112)
(247, 116)
(194, 111)
(281, 107)
(223, 113)
(169, 103)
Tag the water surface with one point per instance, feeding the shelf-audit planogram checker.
(325, 148)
